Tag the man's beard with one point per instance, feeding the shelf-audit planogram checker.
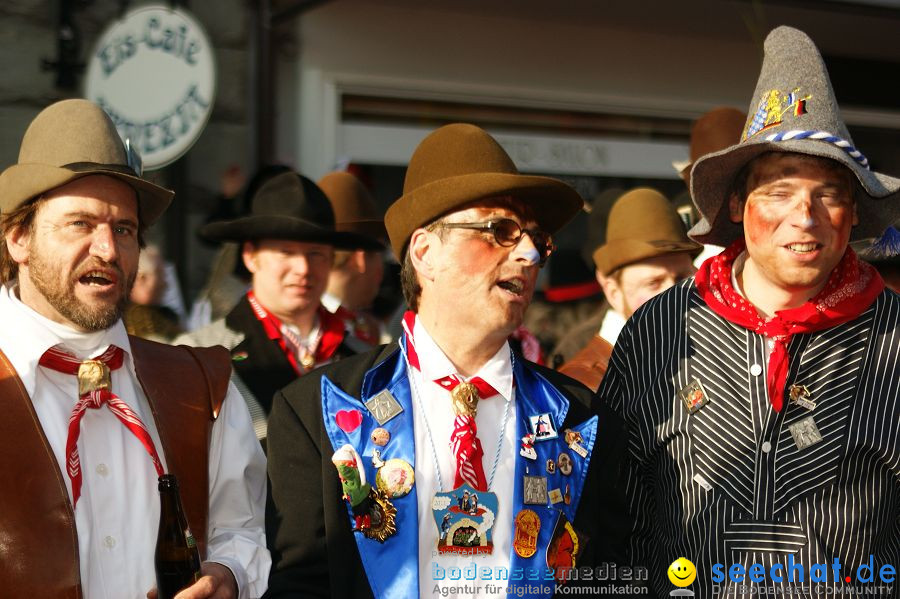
(47, 278)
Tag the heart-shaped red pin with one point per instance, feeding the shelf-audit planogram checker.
(348, 420)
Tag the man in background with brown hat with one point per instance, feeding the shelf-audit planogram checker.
(356, 274)
(646, 252)
(279, 329)
(762, 395)
(92, 417)
(391, 468)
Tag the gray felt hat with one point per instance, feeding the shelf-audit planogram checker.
(793, 110)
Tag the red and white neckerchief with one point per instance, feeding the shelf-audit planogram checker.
(851, 288)
(362, 327)
(531, 347)
(61, 361)
(464, 441)
(330, 336)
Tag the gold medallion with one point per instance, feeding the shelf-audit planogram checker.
(93, 375)
(525, 535)
(308, 361)
(465, 399)
(382, 517)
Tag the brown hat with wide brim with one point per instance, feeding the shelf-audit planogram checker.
(290, 207)
(793, 110)
(642, 224)
(460, 163)
(73, 139)
(354, 209)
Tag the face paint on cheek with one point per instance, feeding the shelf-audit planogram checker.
(757, 224)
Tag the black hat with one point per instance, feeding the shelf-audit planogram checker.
(288, 206)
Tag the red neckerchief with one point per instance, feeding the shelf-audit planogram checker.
(332, 333)
(851, 288)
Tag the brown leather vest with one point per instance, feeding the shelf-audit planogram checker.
(38, 545)
(589, 365)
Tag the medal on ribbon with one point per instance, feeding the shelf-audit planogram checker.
(465, 519)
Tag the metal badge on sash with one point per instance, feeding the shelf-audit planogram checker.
(805, 433)
(373, 513)
(93, 375)
(384, 406)
(464, 518)
(564, 548)
(800, 395)
(693, 396)
(564, 464)
(534, 490)
(542, 426)
(555, 496)
(525, 536)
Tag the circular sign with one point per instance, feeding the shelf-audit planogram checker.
(154, 73)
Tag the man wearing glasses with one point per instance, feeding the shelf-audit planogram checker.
(367, 455)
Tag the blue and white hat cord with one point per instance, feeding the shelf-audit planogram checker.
(825, 136)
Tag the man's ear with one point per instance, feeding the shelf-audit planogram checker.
(611, 291)
(422, 252)
(17, 243)
(248, 255)
(735, 208)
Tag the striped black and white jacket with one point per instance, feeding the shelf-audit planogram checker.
(729, 484)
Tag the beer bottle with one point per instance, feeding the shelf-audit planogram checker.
(177, 558)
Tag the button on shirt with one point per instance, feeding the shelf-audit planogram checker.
(438, 413)
(117, 515)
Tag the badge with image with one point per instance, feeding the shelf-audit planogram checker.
(682, 573)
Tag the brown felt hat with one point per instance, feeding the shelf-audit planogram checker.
(460, 163)
(793, 110)
(716, 130)
(72, 139)
(354, 209)
(642, 224)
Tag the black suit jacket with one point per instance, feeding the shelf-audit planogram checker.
(314, 553)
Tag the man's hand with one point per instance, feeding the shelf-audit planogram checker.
(216, 582)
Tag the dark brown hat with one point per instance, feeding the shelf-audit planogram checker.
(287, 206)
(460, 163)
(793, 110)
(642, 224)
(354, 209)
(73, 139)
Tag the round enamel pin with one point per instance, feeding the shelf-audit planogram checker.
(396, 478)
(380, 436)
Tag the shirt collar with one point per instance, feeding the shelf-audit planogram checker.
(26, 335)
(612, 325)
(331, 302)
(497, 371)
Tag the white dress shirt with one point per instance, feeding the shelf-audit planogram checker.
(611, 326)
(433, 410)
(117, 515)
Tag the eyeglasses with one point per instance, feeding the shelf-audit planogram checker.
(508, 233)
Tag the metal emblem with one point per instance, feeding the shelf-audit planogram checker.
(551, 466)
(383, 406)
(693, 396)
(534, 490)
(464, 397)
(525, 536)
(805, 433)
(93, 375)
(800, 395)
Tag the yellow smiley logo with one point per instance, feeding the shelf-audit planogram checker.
(682, 572)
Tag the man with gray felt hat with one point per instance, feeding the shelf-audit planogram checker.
(761, 395)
